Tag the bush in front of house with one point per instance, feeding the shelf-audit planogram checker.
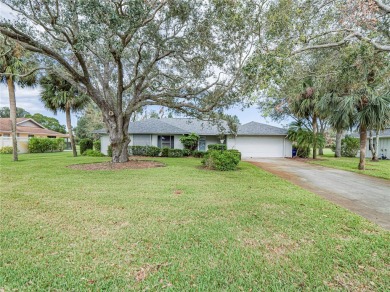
(93, 153)
(220, 147)
(187, 152)
(175, 152)
(190, 141)
(85, 144)
(42, 145)
(165, 152)
(221, 160)
(109, 151)
(6, 150)
(350, 146)
(97, 145)
(235, 152)
(144, 151)
(152, 151)
(198, 154)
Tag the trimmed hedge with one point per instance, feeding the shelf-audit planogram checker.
(187, 152)
(42, 145)
(198, 154)
(175, 153)
(165, 152)
(6, 150)
(144, 151)
(235, 152)
(93, 153)
(221, 160)
(220, 147)
(85, 144)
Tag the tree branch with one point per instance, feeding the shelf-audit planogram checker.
(383, 6)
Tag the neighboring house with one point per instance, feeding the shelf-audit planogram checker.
(384, 143)
(252, 139)
(25, 129)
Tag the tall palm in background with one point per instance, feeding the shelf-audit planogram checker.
(16, 67)
(59, 95)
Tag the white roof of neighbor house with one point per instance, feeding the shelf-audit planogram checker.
(187, 126)
(382, 134)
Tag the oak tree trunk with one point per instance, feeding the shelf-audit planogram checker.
(118, 130)
(339, 135)
(363, 142)
(12, 113)
(70, 131)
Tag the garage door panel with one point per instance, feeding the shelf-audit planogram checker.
(260, 146)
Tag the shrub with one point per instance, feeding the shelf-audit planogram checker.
(217, 147)
(221, 160)
(235, 152)
(97, 145)
(190, 141)
(198, 154)
(350, 146)
(6, 150)
(85, 144)
(93, 153)
(164, 152)
(175, 153)
(303, 152)
(152, 151)
(187, 152)
(41, 145)
(109, 151)
(138, 150)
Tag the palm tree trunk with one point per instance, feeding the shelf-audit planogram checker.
(315, 137)
(371, 145)
(339, 134)
(69, 126)
(363, 142)
(375, 157)
(12, 114)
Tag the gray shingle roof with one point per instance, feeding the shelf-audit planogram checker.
(258, 129)
(187, 126)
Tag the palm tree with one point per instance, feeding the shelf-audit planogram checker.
(15, 67)
(59, 94)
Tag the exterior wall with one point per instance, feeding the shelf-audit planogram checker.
(22, 140)
(105, 142)
(28, 124)
(212, 140)
(384, 147)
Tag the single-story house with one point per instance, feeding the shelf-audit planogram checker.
(252, 140)
(25, 129)
(384, 143)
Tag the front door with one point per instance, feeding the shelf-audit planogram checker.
(202, 143)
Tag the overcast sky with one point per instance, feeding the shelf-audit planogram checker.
(28, 98)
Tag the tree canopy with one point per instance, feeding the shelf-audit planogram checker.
(20, 112)
(48, 122)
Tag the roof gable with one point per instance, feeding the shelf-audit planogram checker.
(257, 129)
(23, 122)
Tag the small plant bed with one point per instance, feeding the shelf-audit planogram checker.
(131, 164)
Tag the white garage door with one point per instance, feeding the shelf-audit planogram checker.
(258, 146)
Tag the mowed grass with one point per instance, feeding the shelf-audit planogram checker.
(179, 228)
(379, 168)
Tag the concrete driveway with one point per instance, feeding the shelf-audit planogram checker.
(364, 195)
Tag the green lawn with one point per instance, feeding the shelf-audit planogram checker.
(380, 168)
(178, 228)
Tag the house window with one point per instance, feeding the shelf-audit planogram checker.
(53, 137)
(30, 136)
(6, 135)
(166, 142)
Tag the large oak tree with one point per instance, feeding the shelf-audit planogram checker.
(186, 55)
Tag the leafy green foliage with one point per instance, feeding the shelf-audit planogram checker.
(41, 145)
(221, 160)
(165, 152)
(350, 146)
(48, 122)
(97, 145)
(85, 144)
(190, 141)
(235, 152)
(175, 153)
(6, 150)
(89, 120)
(216, 147)
(109, 151)
(198, 154)
(20, 112)
(92, 153)
(152, 151)
(304, 139)
(187, 152)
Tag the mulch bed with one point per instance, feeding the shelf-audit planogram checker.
(131, 164)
